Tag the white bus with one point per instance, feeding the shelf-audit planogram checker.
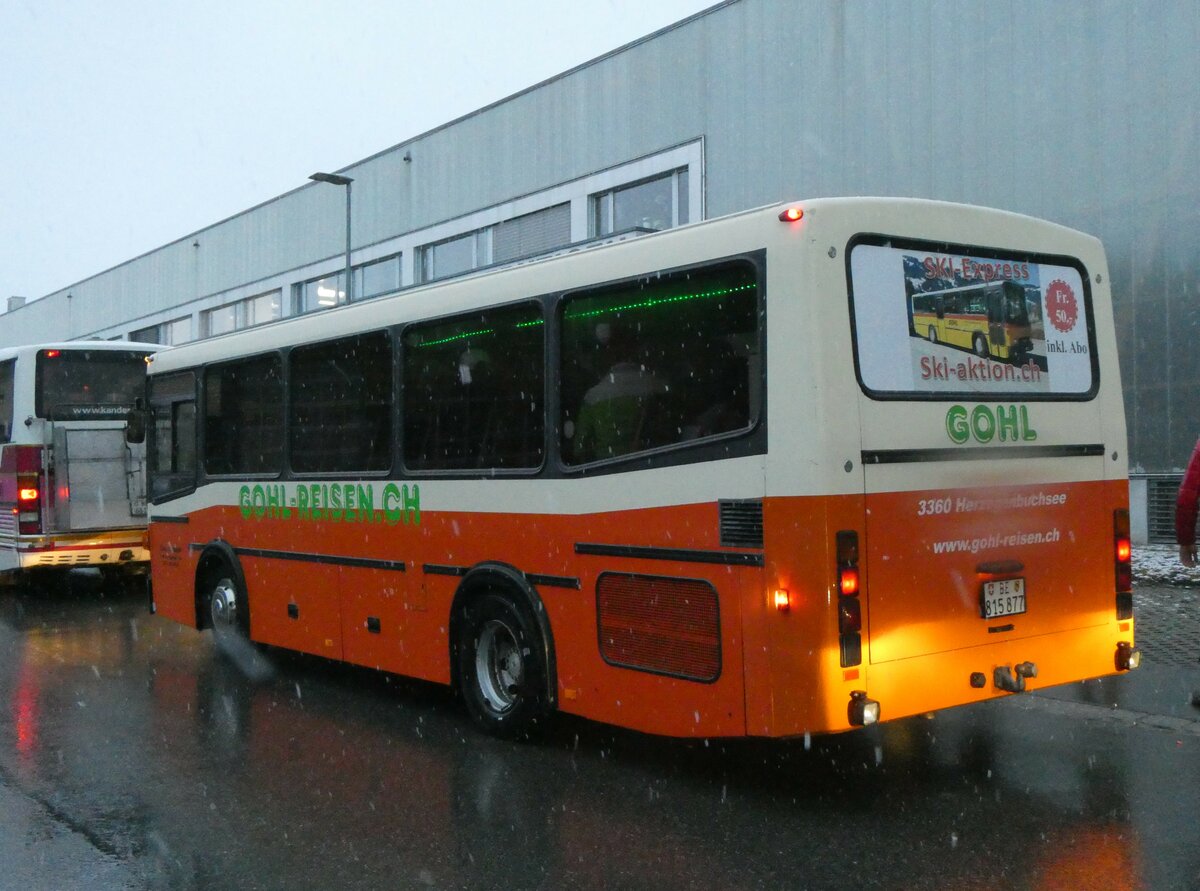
(72, 490)
(700, 483)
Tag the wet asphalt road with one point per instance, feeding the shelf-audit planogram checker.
(134, 755)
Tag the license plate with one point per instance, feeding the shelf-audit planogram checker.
(1005, 597)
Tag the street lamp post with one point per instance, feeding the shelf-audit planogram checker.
(338, 180)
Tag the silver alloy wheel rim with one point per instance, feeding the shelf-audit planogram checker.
(499, 668)
(224, 606)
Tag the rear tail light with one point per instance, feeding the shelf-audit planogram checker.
(1123, 564)
(29, 505)
(849, 606)
(782, 600)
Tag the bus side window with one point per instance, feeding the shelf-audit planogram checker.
(7, 396)
(172, 439)
(657, 361)
(473, 391)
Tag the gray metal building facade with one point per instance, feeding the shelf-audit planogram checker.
(1083, 113)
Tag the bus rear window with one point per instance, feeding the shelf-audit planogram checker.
(88, 384)
(947, 321)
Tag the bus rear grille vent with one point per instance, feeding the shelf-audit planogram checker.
(741, 524)
(1161, 493)
(63, 560)
(663, 625)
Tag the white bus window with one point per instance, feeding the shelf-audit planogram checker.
(83, 384)
(6, 399)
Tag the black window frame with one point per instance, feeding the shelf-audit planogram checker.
(539, 304)
(990, 253)
(187, 481)
(739, 442)
(203, 422)
(394, 432)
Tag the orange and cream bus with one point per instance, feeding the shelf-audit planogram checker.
(72, 490)
(699, 483)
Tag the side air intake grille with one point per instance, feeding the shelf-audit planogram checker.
(662, 625)
(741, 524)
(1161, 493)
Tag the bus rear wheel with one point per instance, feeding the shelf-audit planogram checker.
(224, 605)
(980, 346)
(931, 335)
(501, 666)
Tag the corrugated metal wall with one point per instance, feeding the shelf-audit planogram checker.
(1083, 113)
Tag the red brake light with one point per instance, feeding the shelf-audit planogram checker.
(849, 606)
(792, 214)
(53, 354)
(27, 495)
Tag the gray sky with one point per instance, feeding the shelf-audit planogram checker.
(129, 124)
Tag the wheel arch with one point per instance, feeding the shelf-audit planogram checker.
(213, 554)
(495, 576)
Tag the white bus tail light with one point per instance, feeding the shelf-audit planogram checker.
(862, 711)
(1123, 564)
(791, 215)
(849, 605)
(29, 506)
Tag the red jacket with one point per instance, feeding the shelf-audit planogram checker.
(1186, 503)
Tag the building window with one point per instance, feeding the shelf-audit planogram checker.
(170, 333)
(241, 314)
(532, 233)
(658, 203)
(221, 320)
(319, 293)
(377, 278)
(457, 255)
(145, 335)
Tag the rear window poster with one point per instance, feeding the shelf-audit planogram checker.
(929, 322)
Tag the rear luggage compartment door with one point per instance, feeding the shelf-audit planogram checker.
(98, 480)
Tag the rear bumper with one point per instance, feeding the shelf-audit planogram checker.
(106, 549)
(927, 683)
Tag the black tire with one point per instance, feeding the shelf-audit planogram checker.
(979, 346)
(931, 335)
(501, 666)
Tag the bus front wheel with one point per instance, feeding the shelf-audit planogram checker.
(931, 334)
(980, 346)
(501, 666)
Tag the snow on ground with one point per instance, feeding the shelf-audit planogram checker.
(1159, 565)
